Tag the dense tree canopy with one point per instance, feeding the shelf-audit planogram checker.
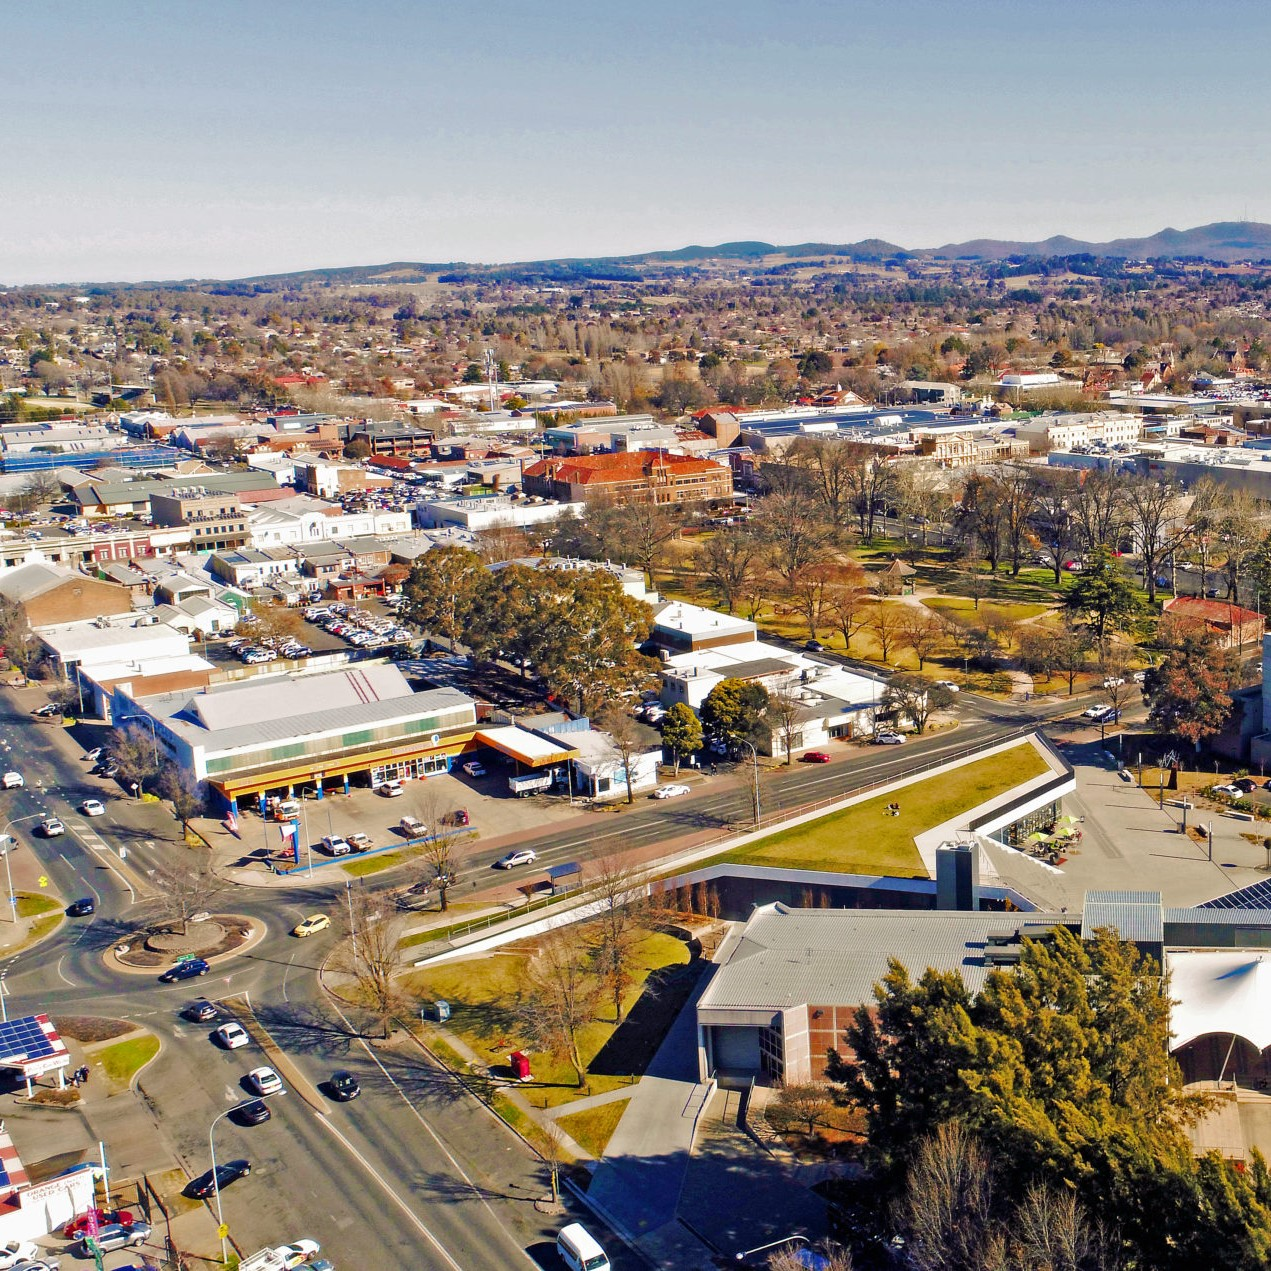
(1061, 1069)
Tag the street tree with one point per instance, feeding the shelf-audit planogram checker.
(371, 955)
(444, 592)
(559, 996)
(733, 710)
(914, 697)
(276, 622)
(640, 534)
(1101, 597)
(811, 589)
(1189, 693)
(626, 736)
(783, 714)
(1056, 525)
(726, 560)
(186, 794)
(181, 886)
(134, 751)
(1015, 487)
(981, 518)
(1099, 510)
(825, 464)
(871, 479)
(20, 645)
(430, 804)
(681, 732)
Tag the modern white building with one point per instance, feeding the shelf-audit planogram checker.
(303, 519)
(487, 512)
(1067, 431)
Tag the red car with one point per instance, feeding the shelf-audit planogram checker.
(817, 756)
(77, 1227)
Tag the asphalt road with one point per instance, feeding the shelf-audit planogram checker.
(414, 1172)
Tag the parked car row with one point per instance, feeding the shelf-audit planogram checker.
(357, 626)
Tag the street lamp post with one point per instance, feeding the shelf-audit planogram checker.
(774, 1244)
(216, 1182)
(754, 755)
(9, 844)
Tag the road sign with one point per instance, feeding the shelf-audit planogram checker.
(123, 853)
(44, 882)
(222, 1231)
(184, 957)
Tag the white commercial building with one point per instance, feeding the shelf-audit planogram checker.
(487, 512)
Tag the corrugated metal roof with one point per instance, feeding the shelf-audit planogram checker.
(789, 957)
(1135, 915)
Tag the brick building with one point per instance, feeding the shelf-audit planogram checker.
(644, 476)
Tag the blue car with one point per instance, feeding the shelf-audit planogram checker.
(186, 970)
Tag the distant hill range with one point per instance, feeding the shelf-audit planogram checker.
(1223, 241)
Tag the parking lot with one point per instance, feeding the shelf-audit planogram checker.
(493, 812)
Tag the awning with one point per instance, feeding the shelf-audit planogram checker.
(1227, 993)
(535, 750)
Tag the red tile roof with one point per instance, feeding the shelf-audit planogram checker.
(1219, 613)
(599, 469)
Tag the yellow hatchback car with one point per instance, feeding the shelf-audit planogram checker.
(311, 925)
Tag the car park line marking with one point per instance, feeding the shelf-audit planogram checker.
(405, 1208)
(432, 1134)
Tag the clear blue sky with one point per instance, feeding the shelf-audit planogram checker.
(171, 139)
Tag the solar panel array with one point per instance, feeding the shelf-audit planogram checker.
(1255, 896)
(25, 1038)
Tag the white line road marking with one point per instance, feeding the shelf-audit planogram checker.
(285, 974)
(59, 972)
(432, 1134)
(405, 1208)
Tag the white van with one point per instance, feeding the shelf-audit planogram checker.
(578, 1249)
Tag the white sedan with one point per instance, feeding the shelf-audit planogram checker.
(13, 1252)
(231, 1036)
(93, 807)
(670, 792)
(298, 1252)
(950, 685)
(264, 1081)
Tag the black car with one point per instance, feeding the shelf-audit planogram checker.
(81, 908)
(1247, 784)
(186, 970)
(202, 1011)
(254, 1113)
(344, 1086)
(204, 1186)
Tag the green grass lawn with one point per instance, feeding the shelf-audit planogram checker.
(374, 864)
(32, 904)
(863, 839)
(594, 1127)
(122, 1061)
(965, 604)
(482, 993)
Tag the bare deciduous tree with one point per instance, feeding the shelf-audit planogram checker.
(429, 805)
(922, 632)
(782, 715)
(626, 737)
(885, 621)
(948, 1206)
(800, 1103)
(372, 956)
(134, 751)
(727, 563)
(559, 995)
(183, 887)
(183, 791)
(791, 1258)
(618, 929)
